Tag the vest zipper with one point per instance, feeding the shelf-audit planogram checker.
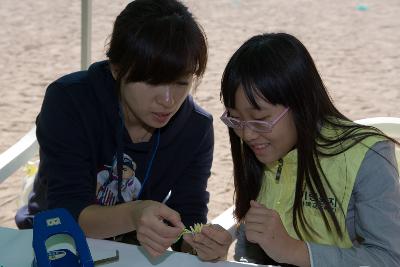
(279, 171)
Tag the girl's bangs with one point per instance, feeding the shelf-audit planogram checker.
(256, 79)
(164, 58)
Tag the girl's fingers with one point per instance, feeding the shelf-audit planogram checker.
(259, 215)
(255, 227)
(256, 204)
(256, 218)
(253, 236)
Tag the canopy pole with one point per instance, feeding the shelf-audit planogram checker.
(86, 32)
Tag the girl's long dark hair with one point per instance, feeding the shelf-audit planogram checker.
(278, 68)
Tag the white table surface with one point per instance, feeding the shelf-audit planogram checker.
(16, 250)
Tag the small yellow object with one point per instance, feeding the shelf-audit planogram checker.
(195, 229)
(30, 168)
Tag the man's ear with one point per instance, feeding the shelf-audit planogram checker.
(114, 70)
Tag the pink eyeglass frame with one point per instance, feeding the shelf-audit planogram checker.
(268, 124)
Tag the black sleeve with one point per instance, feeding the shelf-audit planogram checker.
(66, 162)
(192, 184)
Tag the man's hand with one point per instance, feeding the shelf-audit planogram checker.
(211, 244)
(152, 232)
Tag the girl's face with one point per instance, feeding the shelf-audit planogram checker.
(153, 105)
(271, 146)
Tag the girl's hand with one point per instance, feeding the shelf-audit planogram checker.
(152, 232)
(264, 227)
(211, 244)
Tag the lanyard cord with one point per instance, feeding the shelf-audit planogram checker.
(148, 170)
(120, 157)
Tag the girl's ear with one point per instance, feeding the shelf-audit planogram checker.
(114, 70)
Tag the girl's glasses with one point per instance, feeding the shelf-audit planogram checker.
(255, 125)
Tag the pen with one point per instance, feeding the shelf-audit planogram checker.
(163, 202)
(167, 197)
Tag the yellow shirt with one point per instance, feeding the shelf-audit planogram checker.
(340, 170)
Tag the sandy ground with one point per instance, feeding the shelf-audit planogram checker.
(355, 45)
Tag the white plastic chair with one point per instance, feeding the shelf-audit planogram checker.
(227, 221)
(18, 154)
(388, 125)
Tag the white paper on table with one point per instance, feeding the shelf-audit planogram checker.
(16, 250)
(15, 247)
(130, 255)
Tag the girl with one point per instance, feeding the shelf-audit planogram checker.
(136, 103)
(311, 186)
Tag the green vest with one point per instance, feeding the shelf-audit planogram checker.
(341, 171)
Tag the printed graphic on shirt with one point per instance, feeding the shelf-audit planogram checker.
(312, 201)
(107, 183)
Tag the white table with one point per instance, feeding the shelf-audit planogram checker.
(16, 250)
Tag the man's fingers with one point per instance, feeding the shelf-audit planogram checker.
(152, 248)
(203, 251)
(207, 249)
(159, 227)
(199, 241)
(206, 254)
(163, 225)
(151, 251)
(167, 231)
(205, 241)
(148, 233)
(218, 234)
(171, 216)
(189, 239)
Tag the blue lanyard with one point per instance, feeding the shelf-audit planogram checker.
(148, 169)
